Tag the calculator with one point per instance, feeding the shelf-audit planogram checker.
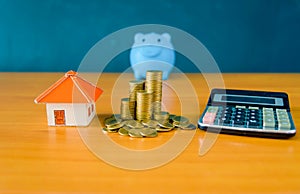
(250, 113)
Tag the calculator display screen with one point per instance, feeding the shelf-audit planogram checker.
(244, 99)
(248, 99)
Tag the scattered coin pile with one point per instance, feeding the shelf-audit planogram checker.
(141, 115)
(150, 128)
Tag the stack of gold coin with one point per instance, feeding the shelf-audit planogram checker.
(134, 86)
(154, 85)
(125, 109)
(143, 105)
(162, 116)
(132, 108)
(156, 107)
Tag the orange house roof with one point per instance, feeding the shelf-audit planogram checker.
(70, 89)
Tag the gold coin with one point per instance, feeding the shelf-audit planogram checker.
(148, 132)
(189, 127)
(126, 128)
(153, 134)
(116, 117)
(182, 125)
(123, 131)
(150, 123)
(135, 133)
(116, 126)
(161, 116)
(153, 76)
(180, 119)
(110, 130)
(161, 129)
(136, 82)
(133, 124)
(171, 117)
(166, 125)
(111, 121)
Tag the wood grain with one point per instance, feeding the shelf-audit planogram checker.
(36, 158)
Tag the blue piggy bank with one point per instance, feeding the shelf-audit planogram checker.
(152, 52)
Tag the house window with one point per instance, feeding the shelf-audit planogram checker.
(89, 111)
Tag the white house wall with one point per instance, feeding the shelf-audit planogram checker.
(75, 114)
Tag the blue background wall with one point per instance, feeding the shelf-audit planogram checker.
(242, 35)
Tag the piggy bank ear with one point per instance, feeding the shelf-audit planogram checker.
(167, 36)
(138, 37)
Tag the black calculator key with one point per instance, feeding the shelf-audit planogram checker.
(253, 117)
(253, 123)
(243, 113)
(225, 120)
(254, 114)
(228, 116)
(240, 112)
(238, 121)
(240, 117)
(227, 111)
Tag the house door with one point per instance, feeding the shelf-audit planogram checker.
(59, 117)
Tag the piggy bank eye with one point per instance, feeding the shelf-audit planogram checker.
(158, 40)
(143, 40)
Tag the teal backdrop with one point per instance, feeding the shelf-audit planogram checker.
(242, 35)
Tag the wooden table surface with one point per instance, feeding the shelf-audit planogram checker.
(36, 158)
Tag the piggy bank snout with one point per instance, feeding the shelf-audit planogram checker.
(151, 51)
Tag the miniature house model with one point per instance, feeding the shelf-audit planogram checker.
(70, 101)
